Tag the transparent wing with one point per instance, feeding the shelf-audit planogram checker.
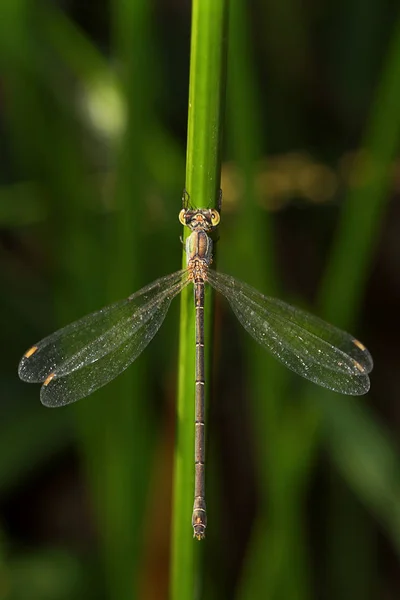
(312, 348)
(75, 361)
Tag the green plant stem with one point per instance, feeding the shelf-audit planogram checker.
(206, 99)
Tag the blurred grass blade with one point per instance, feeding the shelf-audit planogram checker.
(119, 457)
(359, 447)
(367, 458)
(363, 211)
(357, 237)
(282, 451)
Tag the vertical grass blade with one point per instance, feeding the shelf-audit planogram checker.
(206, 98)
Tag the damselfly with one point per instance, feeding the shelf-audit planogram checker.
(85, 355)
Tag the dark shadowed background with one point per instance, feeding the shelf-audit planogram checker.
(303, 484)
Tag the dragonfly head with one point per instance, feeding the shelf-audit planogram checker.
(199, 219)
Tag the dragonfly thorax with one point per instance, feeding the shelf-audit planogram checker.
(199, 247)
(198, 254)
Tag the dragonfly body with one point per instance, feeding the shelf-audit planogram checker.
(75, 361)
(199, 247)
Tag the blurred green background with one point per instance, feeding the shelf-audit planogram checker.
(303, 484)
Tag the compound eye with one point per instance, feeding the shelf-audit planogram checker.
(182, 216)
(215, 217)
